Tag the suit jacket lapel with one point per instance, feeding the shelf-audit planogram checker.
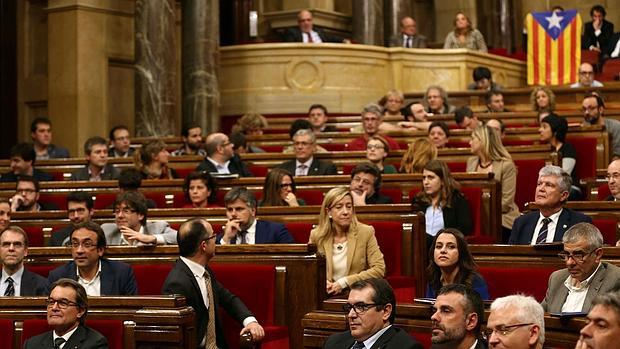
(192, 279)
(595, 286)
(531, 229)
(560, 228)
(259, 237)
(384, 338)
(76, 338)
(314, 168)
(105, 278)
(27, 284)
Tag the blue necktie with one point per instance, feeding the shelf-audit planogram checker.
(542, 234)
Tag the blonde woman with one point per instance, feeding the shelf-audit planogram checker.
(543, 101)
(464, 35)
(419, 153)
(350, 247)
(152, 161)
(490, 155)
(251, 124)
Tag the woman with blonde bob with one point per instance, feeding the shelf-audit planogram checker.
(350, 247)
(543, 101)
(152, 161)
(419, 153)
(490, 155)
(464, 35)
(251, 124)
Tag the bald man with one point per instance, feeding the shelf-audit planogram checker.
(221, 158)
(306, 33)
(408, 36)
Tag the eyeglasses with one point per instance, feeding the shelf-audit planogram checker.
(125, 211)
(374, 146)
(210, 237)
(584, 109)
(364, 181)
(359, 308)
(286, 185)
(578, 256)
(614, 176)
(302, 144)
(86, 244)
(502, 330)
(62, 303)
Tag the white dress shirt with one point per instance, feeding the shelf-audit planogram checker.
(66, 336)
(551, 226)
(316, 39)
(302, 172)
(577, 292)
(616, 52)
(92, 287)
(221, 168)
(17, 281)
(368, 343)
(434, 220)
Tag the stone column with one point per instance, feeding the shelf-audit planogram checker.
(200, 61)
(368, 22)
(156, 68)
(394, 10)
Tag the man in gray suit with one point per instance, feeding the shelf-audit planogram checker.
(574, 288)
(132, 228)
(408, 37)
(97, 167)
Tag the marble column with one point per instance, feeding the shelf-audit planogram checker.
(200, 61)
(393, 12)
(368, 22)
(156, 69)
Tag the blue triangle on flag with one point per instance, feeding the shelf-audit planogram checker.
(554, 23)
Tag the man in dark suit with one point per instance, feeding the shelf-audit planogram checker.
(371, 310)
(613, 180)
(306, 33)
(552, 220)
(317, 115)
(80, 208)
(23, 158)
(597, 33)
(366, 185)
(97, 167)
(192, 278)
(304, 142)
(221, 158)
(458, 314)
(582, 254)
(120, 142)
(100, 276)
(242, 226)
(41, 134)
(26, 198)
(67, 306)
(15, 280)
(408, 36)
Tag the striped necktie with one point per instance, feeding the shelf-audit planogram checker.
(211, 342)
(10, 288)
(58, 342)
(542, 234)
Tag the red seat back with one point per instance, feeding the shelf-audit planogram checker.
(35, 236)
(603, 192)
(506, 281)
(300, 231)
(459, 166)
(272, 148)
(311, 196)
(389, 237)
(609, 228)
(150, 277)
(158, 196)
(259, 171)
(184, 171)
(42, 269)
(473, 196)
(33, 327)
(586, 161)
(527, 176)
(104, 200)
(423, 337)
(590, 56)
(57, 199)
(333, 146)
(6, 328)
(396, 194)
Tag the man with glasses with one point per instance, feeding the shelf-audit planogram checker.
(79, 210)
(613, 180)
(366, 185)
(15, 280)
(372, 119)
(131, 226)
(574, 288)
(120, 142)
(26, 198)
(221, 157)
(305, 164)
(586, 77)
(99, 276)
(5, 214)
(242, 227)
(67, 306)
(516, 322)
(192, 278)
(603, 327)
(371, 310)
(457, 317)
(593, 108)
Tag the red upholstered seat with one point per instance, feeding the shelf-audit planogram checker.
(423, 337)
(60, 200)
(586, 161)
(506, 281)
(158, 196)
(300, 231)
(259, 171)
(457, 144)
(311, 196)
(104, 200)
(589, 56)
(6, 328)
(184, 171)
(272, 148)
(609, 229)
(473, 196)
(42, 270)
(610, 71)
(113, 330)
(460, 166)
(396, 194)
(603, 192)
(32, 328)
(512, 142)
(150, 277)
(255, 286)
(35, 235)
(178, 200)
(527, 176)
(333, 146)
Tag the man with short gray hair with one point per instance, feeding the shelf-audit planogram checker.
(304, 164)
(606, 312)
(516, 322)
(372, 118)
(574, 288)
(221, 158)
(552, 220)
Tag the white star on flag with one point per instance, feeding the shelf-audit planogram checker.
(554, 20)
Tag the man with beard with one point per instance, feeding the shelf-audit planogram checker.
(26, 196)
(242, 226)
(574, 288)
(593, 108)
(192, 142)
(79, 209)
(15, 280)
(457, 316)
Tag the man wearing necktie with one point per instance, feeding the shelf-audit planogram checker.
(408, 36)
(370, 311)
(15, 279)
(67, 306)
(192, 278)
(305, 164)
(242, 226)
(552, 220)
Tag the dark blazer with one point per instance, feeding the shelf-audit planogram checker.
(589, 39)
(83, 337)
(606, 279)
(294, 35)
(269, 233)
(37, 174)
(418, 41)
(181, 281)
(392, 338)
(56, 152)
(609, 49)
(43, 206)
(235, 166)
(523, 228)
(377, 198)
(117, 278)
(32, 284)
(60, 235)
(456, 216)
(317, 167)
(109, 172)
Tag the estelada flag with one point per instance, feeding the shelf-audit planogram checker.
(553, 47)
